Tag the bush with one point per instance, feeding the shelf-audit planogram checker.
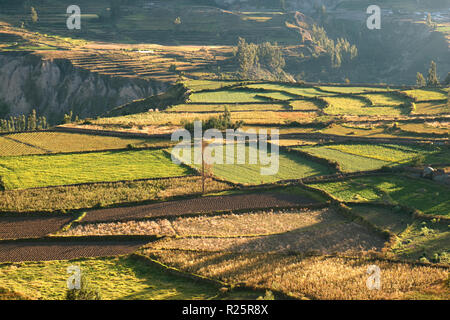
(221, 122)
(418, 161)
(84, 293)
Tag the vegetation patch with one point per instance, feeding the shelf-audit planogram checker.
(290, 166)
(63, 198)
(422, 194)
(301, 276)
(123, 278)
(50, 170)
(226, 225)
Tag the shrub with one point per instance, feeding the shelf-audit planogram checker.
(86, 292)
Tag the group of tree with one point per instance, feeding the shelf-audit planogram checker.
(263, 61)
(23, 123)
(432, 79)
(339, 51)
(222, 122)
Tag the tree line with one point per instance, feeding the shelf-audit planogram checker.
(31, 122)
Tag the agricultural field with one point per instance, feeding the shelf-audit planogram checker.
(359, 176)
(363, 157)
(287, 166)
(421, 194)
(356, 106)
(304, 279)
(61, 142)
(426, 95)
(121, 278)
(62, 169)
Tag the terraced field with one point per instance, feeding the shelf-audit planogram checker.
(362, 157)
(254, 169)
(355, 106)
(427, 196)
(58, 142)
(426, 94)
(49, 170)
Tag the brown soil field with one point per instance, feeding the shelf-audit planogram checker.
(46, 251)
(30, 227)
(198, 205)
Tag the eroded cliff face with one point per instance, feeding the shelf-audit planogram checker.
(55, 87)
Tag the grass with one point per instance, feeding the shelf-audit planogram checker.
(429, 241)
(225, 96)
(197, 85)
(301, 91)
(426, 94)
(50, 170)
(347, 90)
(422, 194)
(101, 195)
(353, 106)
(56, 142)
(361, 157)
(347, 162)
(331, 235)
(121, 278)
(228, 225)
(329, 278)
(232, 107)
(415, 239)
(290, 166)
(384, 99)
(13, 148)
(172, 118)
(431, 108)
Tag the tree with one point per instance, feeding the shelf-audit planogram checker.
(34, 15)
(432, 78)
(420, 80)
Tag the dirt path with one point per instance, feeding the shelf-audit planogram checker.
(199, 205)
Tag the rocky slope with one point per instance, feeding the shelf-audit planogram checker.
(56, 87)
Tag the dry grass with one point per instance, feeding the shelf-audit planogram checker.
(324, 277)
(100, 195)
(228, 225)
(323, 237)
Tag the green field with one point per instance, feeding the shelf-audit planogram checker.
(384, 99)
(422, 194)
(295, 90)
(416, 239)
(121, 278)
(354, 106)
(361, 157)
(192, 107)
(290, 166)
(61, 169)
(426, 94)
(347, 90)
